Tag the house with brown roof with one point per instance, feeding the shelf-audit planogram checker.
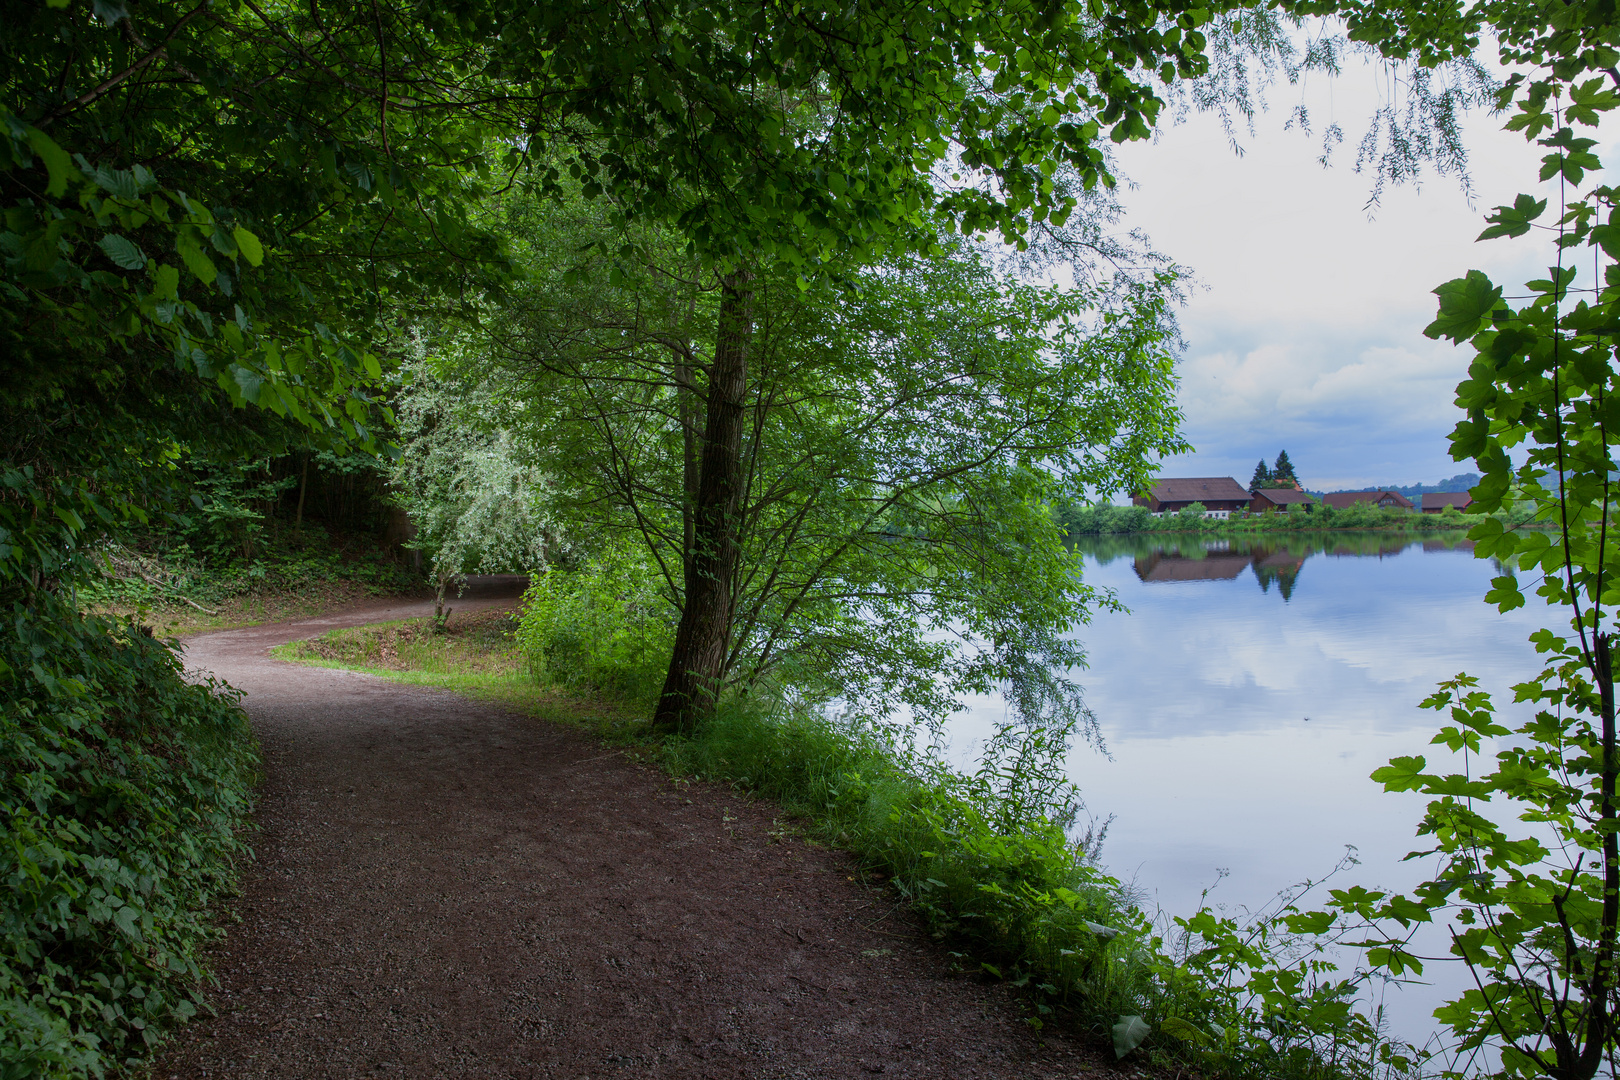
(1221, 495)
(1279, 499)
(1384, 500)
(1435, 502)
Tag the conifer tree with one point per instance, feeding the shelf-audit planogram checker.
(1282, 473)
(1262, 477)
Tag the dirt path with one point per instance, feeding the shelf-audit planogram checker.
(447, 889)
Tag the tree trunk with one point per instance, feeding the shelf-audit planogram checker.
(303, 486)
(704, 633)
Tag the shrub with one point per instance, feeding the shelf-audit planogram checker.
(122, 792)
(602, 627)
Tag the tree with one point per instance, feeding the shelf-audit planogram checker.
(208, 209)
(1282, 473)
(475, 506)
(1261, 478)
(353, 133)
(899, 438)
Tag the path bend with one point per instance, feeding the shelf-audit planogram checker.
(445, 888)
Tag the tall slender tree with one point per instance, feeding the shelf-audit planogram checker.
(1261, 477)
(1282, 473)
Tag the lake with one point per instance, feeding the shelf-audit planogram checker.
(1250, 690)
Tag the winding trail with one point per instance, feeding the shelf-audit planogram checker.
(445, 888)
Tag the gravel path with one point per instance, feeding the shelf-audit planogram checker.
(447, 889)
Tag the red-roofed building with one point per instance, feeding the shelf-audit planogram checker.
(1279, 499)
(1435, 502)
(1384, 500)
(1220, 495)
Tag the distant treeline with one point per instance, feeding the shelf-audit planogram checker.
(1460, 482)
(1101, 519)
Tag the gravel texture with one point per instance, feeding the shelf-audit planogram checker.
(445, 888)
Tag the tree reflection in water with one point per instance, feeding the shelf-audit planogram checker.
(1274, 559)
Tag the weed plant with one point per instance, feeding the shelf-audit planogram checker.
(124, 792)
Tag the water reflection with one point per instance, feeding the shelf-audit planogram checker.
(1274, 559)
(1254, 684)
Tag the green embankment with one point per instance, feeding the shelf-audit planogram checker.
(124, 794)
(1082, 520)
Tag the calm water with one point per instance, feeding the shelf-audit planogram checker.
(1252, 688)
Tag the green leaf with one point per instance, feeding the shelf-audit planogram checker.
(1401, 774)
(252, 250)
(1177, 1028)
(197, 262)
(58, 164)
(1129, 1033)
(123, 252)
(1464, 303)
(165, 282)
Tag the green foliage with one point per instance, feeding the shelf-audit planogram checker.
(895, 460)
(475, 505)
(602, 627)
(1524, 908)
(123, 791)
(1533, 913)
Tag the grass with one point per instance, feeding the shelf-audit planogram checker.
(474, 654)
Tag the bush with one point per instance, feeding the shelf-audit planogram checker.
(601, 627)
(122, 792)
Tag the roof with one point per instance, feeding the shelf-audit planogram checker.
(1339, 500)
(1441, 499)
(1283, 496)
(1198, 489)
(1159, 567)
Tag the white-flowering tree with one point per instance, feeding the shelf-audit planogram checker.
(476, 507)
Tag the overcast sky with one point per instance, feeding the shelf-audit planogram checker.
(1307, 335)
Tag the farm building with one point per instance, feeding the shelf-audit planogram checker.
(1435, 502)
(1279, 499)
(1220, 495)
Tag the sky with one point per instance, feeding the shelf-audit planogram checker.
(1306, 331)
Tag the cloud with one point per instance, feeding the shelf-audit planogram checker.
(1307, 331)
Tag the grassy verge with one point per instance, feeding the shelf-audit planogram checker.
(474, 654)
(1001, 886)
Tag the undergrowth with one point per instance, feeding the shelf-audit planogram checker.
(167, 582)
(124, 793)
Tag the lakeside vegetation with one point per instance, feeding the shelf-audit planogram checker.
(1101, 519)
